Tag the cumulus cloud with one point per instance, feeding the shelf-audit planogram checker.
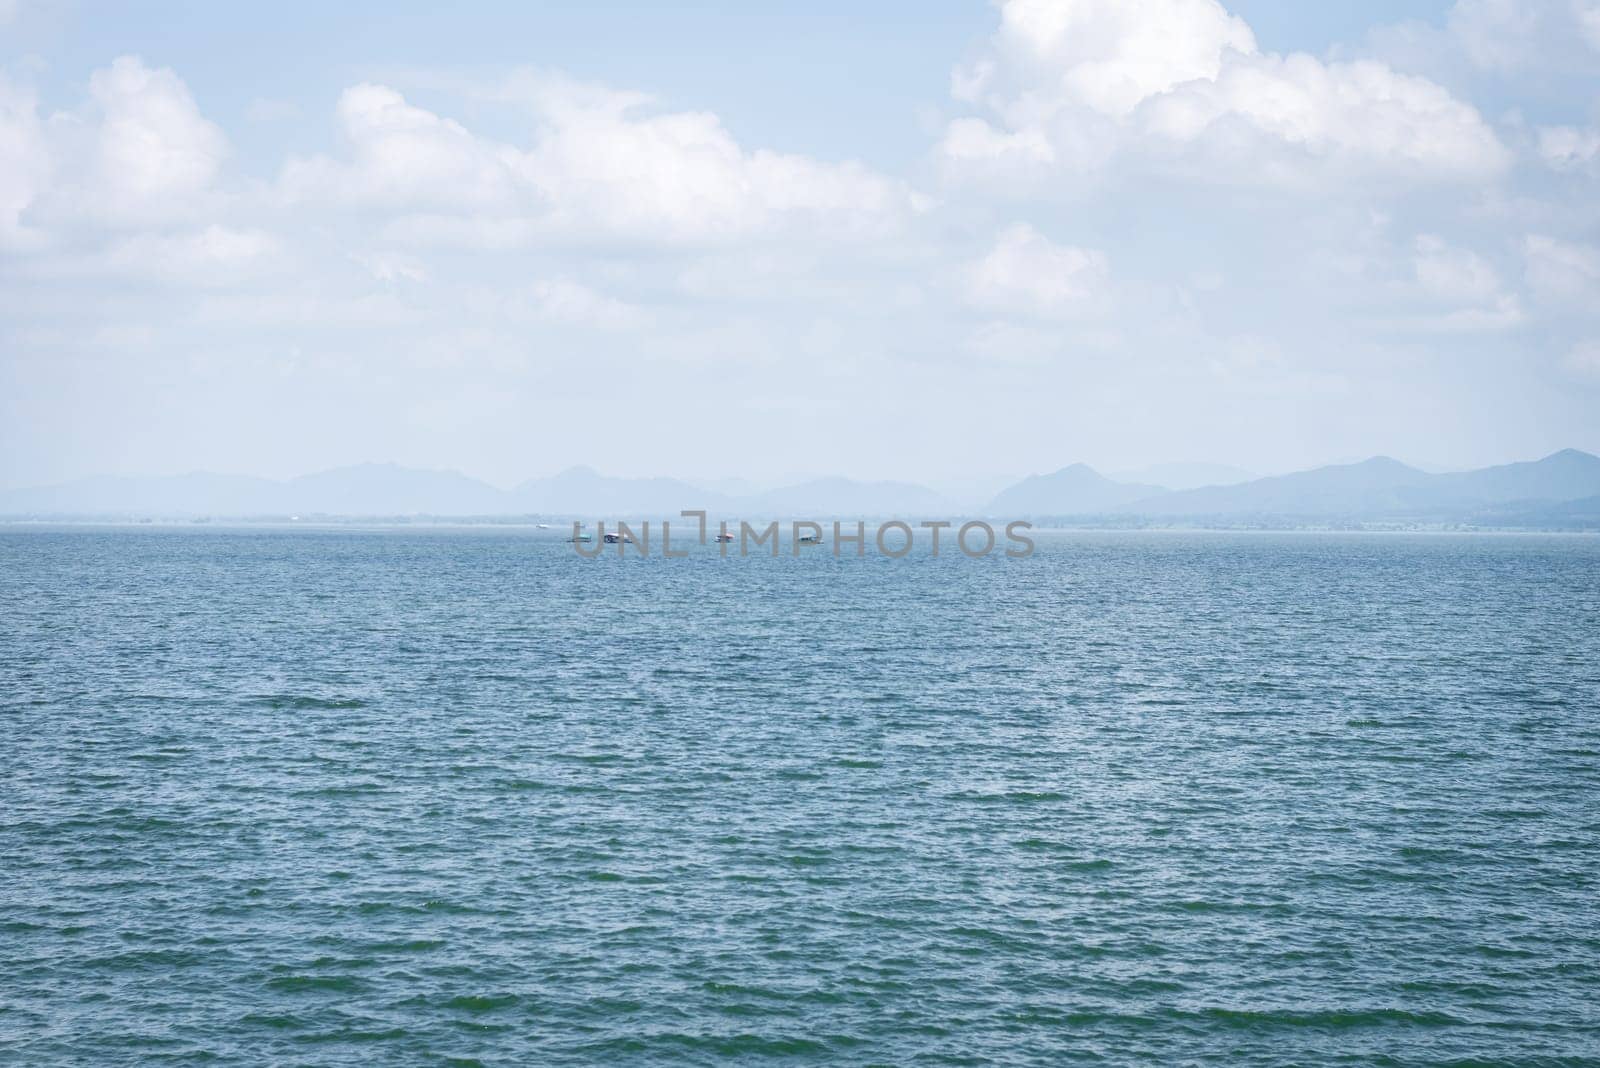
(594, 222)
(1563, 271)
(138, 153)
(403, 156)
(600, 161)
(1106, 55)
(970, 140)
(1570, 148)
(1459, 290)
(151, 151)
(1027, 272)
(213, 256)
(1070, 84)
(1512, 35)
(25, 162)
(1495, 33)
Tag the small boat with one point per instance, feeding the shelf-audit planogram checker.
(581, 537)
(613, 538)
(724, 537)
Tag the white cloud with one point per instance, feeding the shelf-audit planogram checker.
(1027, 272)
(388, 267)
(1361, 117)
(1495, 33)
(1513, 35)
(601, 163)
(153, 152)
(138, 154)
(25, 162)
(975, 140)
(1183, 81)
(603, 158)
(1563, 271)
(564, 301)
(210, 257)
(403, 156)
(213, 256)
(605, 225)
(1589, 22)
(1454, 274)
(1109, 56)
(1570, 148)
(1459, 290)
(1504, 313)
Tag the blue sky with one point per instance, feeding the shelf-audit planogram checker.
(946, 242)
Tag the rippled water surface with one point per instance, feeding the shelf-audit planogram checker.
(461, 797)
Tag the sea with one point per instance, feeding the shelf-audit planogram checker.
(460, 796)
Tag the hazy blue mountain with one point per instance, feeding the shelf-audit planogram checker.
(1182, 476)
(584, 491)
(1075, 490)
(1532, 493)
(728, 487)
(1561, 476)
(1376, 485)
(845, 497)
(1383, 487)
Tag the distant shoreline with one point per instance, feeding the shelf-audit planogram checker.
(554, 526)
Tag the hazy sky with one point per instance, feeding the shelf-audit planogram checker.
(929, 241)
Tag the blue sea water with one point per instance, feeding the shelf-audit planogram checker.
(358, 797)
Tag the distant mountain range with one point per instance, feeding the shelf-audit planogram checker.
(1075, 490)
(1561, 490)
(1377, 489)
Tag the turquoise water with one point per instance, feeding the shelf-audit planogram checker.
(435, 797)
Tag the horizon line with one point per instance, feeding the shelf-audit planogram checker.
(1109, 472)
